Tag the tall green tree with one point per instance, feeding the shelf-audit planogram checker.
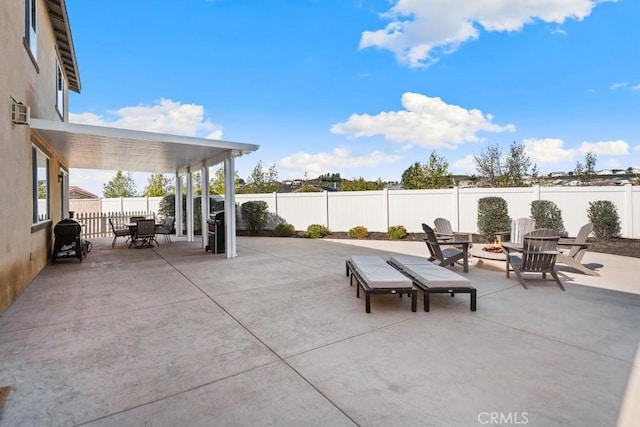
(122, 185)
(436, 172)
(158, 185)
(432, 175)
(413, 177)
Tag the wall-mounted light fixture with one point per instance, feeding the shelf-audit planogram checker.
(60, 177)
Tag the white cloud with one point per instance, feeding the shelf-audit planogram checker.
(420, 30)
(613, 148)
(166, 116)
(338, 159)
(636, 87)
(466, 165)
(426, 122)
(618, 85)
(552, 151)
(547, 151)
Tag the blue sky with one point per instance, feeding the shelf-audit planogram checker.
(365, 87)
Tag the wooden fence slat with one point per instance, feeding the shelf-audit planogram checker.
(96, 224)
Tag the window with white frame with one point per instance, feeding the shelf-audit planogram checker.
(41, 185)
(60, 85)
(30, 27)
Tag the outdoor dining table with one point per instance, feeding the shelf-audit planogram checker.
(133, 227)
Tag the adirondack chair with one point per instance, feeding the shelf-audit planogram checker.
(573, 249)
(519, 227)
(537, 254)
(447, 256)
(444, 231)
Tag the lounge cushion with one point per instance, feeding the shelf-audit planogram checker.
(378, 274)
(430, 274)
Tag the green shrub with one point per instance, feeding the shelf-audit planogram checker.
(284, 230)
(396, 232)
(358, 232)
(604, 216)
(255, 215)
(493, 217)
(316, 231)
(547, 215)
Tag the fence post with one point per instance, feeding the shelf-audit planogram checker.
(536, 192)
(326, 209)
(275, 201)
(628, 211)
(385, 202)
(456, 207)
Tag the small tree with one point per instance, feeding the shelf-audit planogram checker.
(493, 217)
(488, 164)
(585, 171)
(168, 205)
(261, 181)
(503, 172)
(255, 215)
(547, 215)
(604, 216)
(515, 166)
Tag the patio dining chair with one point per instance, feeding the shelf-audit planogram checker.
(166, 229)
(145, 234)
(537, 254)
(449, 256)
(119, 232)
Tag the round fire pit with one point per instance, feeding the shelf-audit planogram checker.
(487, 251)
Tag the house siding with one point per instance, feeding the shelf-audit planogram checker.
(24, 249)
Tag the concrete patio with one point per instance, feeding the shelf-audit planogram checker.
(177, 336)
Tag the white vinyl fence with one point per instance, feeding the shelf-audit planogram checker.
(378, 210)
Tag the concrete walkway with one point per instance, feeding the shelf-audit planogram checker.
(176, 336)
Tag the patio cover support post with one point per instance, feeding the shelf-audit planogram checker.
(204, 206)
(178, 206)
(230, 206)
(189, 206)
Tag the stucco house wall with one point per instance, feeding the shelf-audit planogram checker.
(25, 247)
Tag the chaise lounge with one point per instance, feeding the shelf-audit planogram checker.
(375, 276)
(431, 278)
